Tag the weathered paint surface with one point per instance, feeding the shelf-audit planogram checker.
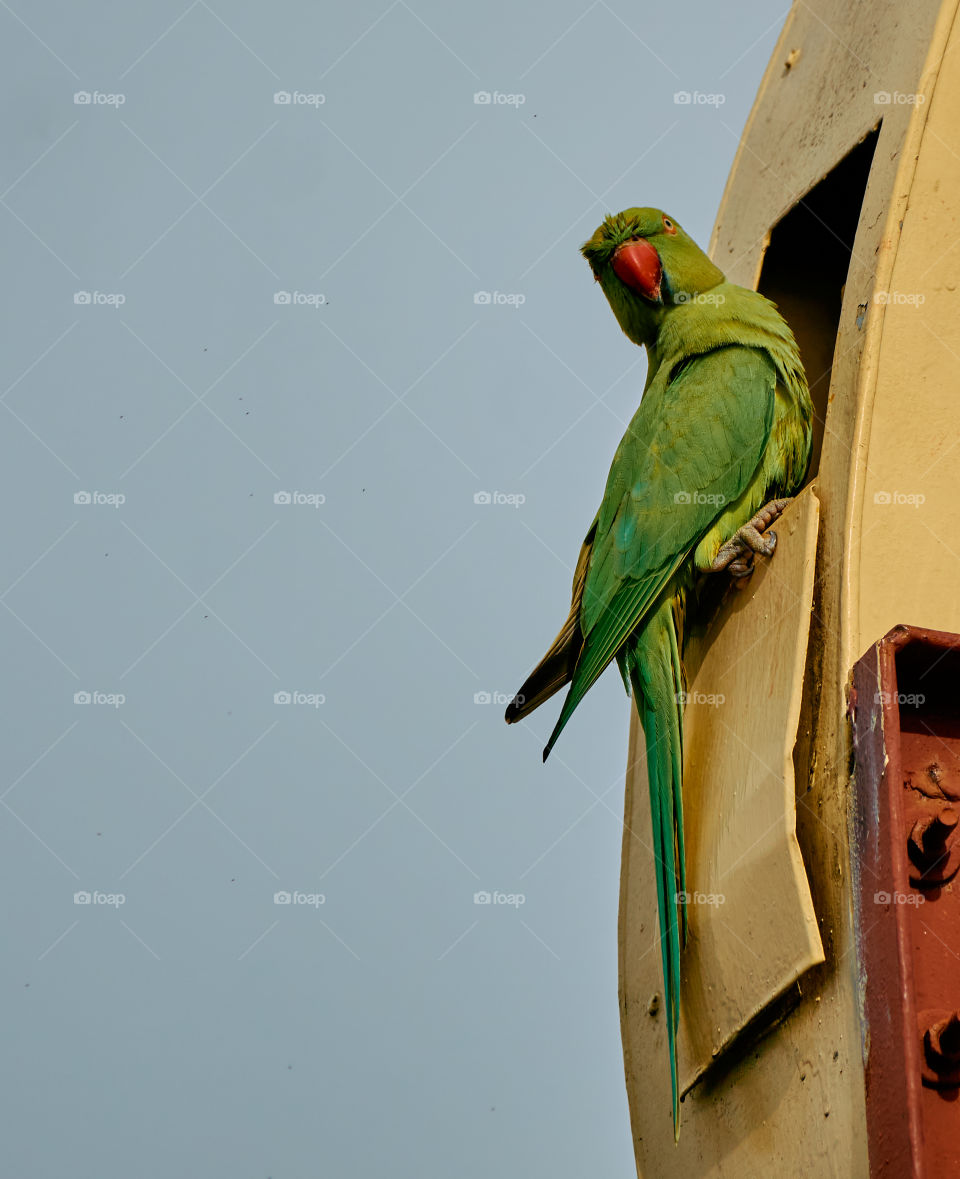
(741, 841)
(906, 898)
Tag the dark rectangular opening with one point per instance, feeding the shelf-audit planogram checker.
(927, 695)
(805, 269)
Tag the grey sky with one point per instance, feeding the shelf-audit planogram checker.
(397, 1028)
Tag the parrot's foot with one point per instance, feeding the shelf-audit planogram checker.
(737, 555)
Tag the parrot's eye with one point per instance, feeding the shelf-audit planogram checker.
(669, 226)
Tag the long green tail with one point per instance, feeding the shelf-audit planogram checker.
(651, 660)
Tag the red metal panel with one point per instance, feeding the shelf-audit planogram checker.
(905, 708)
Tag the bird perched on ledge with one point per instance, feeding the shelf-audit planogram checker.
(721, 437)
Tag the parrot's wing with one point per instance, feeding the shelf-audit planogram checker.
(555, 669)
(679, 465)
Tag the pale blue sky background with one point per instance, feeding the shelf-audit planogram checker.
(396, 1029)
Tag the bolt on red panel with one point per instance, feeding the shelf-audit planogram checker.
(905, 709)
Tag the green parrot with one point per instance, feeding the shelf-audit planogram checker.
(722, 435)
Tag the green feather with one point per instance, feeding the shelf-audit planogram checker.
(653, 664)
(683, 450)
(723, 427)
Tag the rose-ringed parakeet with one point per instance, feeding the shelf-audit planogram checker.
(721, 435)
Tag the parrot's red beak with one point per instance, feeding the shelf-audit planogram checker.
(637, 264)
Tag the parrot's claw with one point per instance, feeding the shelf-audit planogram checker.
(741, 567)
(759, 544)
(737, 554)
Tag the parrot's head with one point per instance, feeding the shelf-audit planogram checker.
(646, 264)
